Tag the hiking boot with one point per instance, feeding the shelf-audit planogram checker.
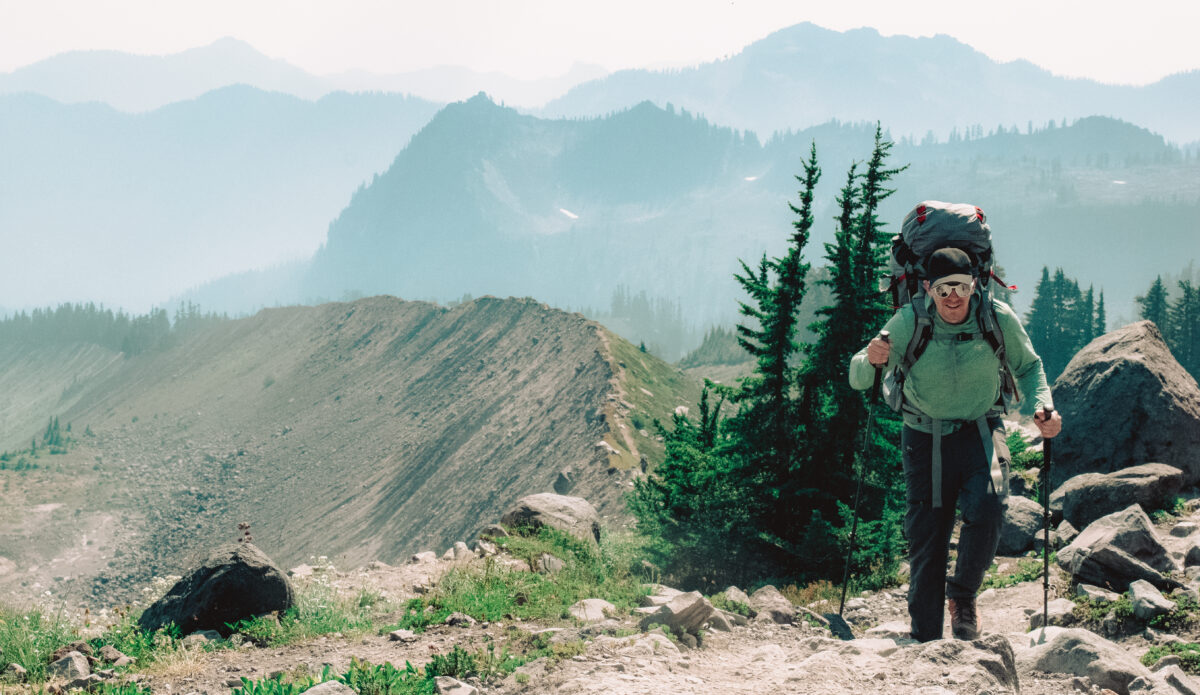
(964, 622)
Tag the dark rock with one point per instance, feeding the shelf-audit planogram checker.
(1089, 496)
(1022, 522)
(573, 515)
(1125, 400)
(81, 647)
(565, 482)
(236, 583)
(493, 531)
(1118, 549)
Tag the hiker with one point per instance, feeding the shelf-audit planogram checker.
(952, 401)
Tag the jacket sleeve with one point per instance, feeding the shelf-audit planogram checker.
(1025, 364)
(900, 329)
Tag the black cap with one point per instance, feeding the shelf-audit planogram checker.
(949, 261)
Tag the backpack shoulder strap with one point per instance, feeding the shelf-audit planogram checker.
(922, 333)
(989, 326)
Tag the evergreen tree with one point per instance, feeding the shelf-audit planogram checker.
(1183, 332)
(1101, 326)
(1153, 305)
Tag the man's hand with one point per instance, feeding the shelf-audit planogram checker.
(1049, 424)
(878, 351)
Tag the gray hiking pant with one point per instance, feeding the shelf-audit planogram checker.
(966, 480)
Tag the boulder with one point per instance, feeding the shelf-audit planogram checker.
(1191, 558)
(110, 653)
(772, 607)
(987, 664)
(1148, 602)
(1096, 594)
(735, 594)
(493, 531)
(402, 635)
(69, 667)
(1125, 400)
(333, 687)
(683, 614)
(1022, 522)
(658, 595)
(1184, 529)
(1060, 612)
(1089, 496)
(1118, 549)
(1169, 680)
(1065, 533)
(1086, 654)
(462, 552)
(423, 558)
(573, 515)
(591, 610)
(237, 582)
(445, 685)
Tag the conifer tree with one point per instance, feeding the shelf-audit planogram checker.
(1101, 326)
(1153, 305)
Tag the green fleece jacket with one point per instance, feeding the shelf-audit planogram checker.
(959, 379)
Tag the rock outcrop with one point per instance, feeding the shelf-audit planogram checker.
(1021, 525)
(1089, 496)
(1126, 401)
(573, 515)
(235, 583)
(1117, 550)
(1085, 654)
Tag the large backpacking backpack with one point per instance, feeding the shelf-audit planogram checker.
(930, 226)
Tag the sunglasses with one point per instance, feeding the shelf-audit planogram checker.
(961, 289)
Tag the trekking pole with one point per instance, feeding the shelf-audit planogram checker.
(883, 335)
(1046, 458)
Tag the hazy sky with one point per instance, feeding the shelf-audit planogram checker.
(1124, 42)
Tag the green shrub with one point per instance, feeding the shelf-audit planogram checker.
(727, 604)
(319, 610)
(366, 678)
(1028, 569)
(458, 663)
(1188, 653)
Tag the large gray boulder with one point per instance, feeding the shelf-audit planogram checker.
(573, 515)
(684, 613)
(1089, 496)
(1117, 550)
(771, 606)
(1125, 400)
(237, 582)
(1085, 654)
(1022, 523)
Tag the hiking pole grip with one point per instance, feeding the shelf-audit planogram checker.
(885, 337)
(1047, 456)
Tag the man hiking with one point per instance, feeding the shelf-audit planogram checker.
(952, 401)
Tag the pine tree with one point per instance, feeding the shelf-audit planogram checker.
(1101, 326)
(1183, 332)
(1153, 305)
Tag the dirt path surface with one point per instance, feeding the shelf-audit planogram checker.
(762, 657)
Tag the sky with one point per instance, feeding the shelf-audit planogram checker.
(1116, 42)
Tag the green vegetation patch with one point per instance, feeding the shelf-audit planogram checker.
(319, 610)
(1028, 569)
(29, 638)
(1188, 653)
(496, 592)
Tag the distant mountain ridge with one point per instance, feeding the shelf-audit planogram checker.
(489, 201)
(805, 75)
(138, 83)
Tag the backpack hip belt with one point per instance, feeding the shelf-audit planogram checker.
(993, 446)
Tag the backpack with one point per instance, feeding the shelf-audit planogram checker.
(930, 226)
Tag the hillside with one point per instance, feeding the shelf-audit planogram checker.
(364, 431)
(805, 75)
(488, 201)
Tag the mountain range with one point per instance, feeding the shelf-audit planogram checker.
(137, 83)
(486, 200)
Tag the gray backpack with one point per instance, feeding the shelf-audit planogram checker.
(930, 226)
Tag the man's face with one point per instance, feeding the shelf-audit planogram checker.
(953, 308)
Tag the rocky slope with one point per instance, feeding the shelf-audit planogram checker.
(366, 430)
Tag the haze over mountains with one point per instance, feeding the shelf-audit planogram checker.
(661, 197)
(135, 83)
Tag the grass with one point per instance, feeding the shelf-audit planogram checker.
(319, 610)
(496, 592)
(28, 638)
(1183, 619)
